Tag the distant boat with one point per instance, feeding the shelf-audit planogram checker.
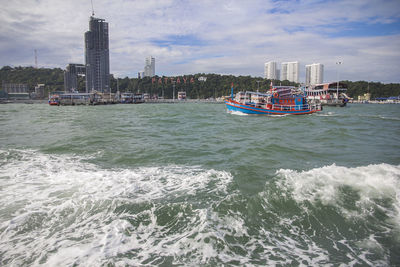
(126, 98)
(138, 98)
(330, 94)
(278, 101)
(54, 100)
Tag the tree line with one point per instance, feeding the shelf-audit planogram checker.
(215, 85)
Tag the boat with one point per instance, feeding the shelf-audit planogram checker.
(330, 94)
(280, 100)
(138, 98)
(126, 98)
(54, 100)
(76, 98)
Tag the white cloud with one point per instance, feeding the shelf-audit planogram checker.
(228, 37)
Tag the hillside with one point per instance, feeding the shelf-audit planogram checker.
(215, 85)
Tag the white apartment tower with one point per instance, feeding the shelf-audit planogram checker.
(314, 73)
(290, 71)
(284, 66)
(150, 67)
(270, 71)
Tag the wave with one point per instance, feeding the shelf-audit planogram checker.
(326, 184)
(335, 211)
(63, 210)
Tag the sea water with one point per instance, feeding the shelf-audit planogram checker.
(189, 184)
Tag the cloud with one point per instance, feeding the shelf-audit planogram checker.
(227, 37)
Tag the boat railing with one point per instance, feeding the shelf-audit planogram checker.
(313, 106)
(290, 107)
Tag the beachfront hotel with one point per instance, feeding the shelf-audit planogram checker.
(270, 71)
(290, 71)
(314, 74)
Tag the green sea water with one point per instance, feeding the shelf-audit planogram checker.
(191, 185)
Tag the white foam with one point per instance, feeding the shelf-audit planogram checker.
(67, 211)
(328, 114)
(377, 188)
(372, 183)
(323, 184)
(238, 113)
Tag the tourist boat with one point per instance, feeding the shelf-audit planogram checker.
(278, 101)
(126, 98)
(330, 94)
(54, 100)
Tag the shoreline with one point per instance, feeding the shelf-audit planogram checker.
(162, 101)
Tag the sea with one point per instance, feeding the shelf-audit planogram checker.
(189, 184)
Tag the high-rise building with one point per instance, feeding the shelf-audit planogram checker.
(314, 73)
(150, 67)
(284, 66)
(15, 87)
(270, 71)
(97, 56)
(290, 71)
(71, 76)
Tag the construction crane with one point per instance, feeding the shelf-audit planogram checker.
(36, 65)
(91, 1)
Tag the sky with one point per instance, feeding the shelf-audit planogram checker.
(204, 36)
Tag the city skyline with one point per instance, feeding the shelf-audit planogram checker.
(228, 37)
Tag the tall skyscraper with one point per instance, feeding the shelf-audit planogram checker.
(290, 71)
(314, 73)
(270, 71)
(97, 58)
(150, 67)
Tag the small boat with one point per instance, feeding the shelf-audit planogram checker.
(280, 100)
(138, 98)
(126, 98)
(54, 100)
(330, 94)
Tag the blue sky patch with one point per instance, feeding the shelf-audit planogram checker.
(359, 29)
(186, 40)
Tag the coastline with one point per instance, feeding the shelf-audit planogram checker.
(166, 101)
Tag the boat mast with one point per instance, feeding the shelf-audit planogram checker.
(232, 91)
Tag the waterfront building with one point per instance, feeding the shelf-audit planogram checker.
(364, 97)
(270, 71)
(97, 59)
(10, 88)
(71, 76)
(314, 74)
(290, 71)
(150, 67)
(39, 90)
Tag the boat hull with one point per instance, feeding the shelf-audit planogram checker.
(247, 109)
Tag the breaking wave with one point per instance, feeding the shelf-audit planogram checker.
(63, 210)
